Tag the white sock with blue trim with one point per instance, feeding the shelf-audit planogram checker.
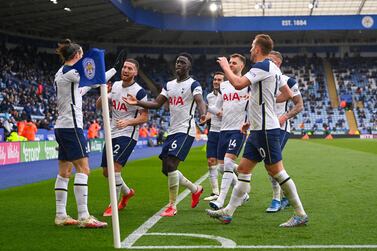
(238, 193)
(81, 195)
(61, 194)
(289, 188)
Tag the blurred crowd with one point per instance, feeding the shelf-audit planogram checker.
(27, 94)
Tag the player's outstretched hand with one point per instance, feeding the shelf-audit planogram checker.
(223, 62)
(130, 99)
(121, 123)
(245, 126)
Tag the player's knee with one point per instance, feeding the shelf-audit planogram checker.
(65, 173)
(105, 173)
(212, 162)
(228, 164)
(243, 169)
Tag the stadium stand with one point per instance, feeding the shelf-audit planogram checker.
(27, 88)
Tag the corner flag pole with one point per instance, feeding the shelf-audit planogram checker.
(110, 161)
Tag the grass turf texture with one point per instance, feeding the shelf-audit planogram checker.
(336, 181)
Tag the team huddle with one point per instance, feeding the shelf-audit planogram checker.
(254, 103)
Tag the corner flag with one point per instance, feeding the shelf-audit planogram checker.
(91, 68)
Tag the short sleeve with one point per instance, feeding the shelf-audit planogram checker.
(196, 88)
(295, 90)
(141, 94)
(283, 81)
(255, 75)
(164, 91)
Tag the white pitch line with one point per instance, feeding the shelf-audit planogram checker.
(262, 247)
(139, 232)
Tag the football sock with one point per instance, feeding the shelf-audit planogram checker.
(183, 181)
(173, 184)
(118, 183)
(275, 189)
(124, 188)
(61, 194)
(238, 194)
(229, 178)
(81, 195)
(213, 173)
(220, 168)
(289, 188)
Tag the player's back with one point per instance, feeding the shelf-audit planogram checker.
(215, 120)
(182, 105)
(234, 106)
(69, 100)
(122, 110)
(265, 78)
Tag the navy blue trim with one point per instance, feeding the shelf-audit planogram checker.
(263, 117)
(165, 86)
(260, 92)
(73, 103)
(191, 116)
(141, 94)
(276, 84)
(66, 68)
(133, 131)
(284, 181)
(264, 65)
(291, 82)
(194, 85)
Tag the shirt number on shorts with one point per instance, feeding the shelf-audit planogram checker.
(116, 149)
(232, 143)
(173, 145)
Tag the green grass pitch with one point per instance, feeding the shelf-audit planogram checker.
(336, 180)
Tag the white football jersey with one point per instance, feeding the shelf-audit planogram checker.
(234, 106)
(215, 121)
(69, 100)
(264, 77)
(182, 105)
(282, 108)
(122, 110)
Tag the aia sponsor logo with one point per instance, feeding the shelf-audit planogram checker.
(231, 96)
(119, 106)
(176, 100)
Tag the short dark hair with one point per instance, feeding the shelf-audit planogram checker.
(67, 49)
(237, 55)
(133, 61)
(187, 55)
(277, 54)
(219, 73)
(265, 42)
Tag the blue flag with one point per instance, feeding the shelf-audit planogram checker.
(91, 68)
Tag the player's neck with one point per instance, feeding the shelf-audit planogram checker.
(127, 83)
(260, 58)
(183, 78)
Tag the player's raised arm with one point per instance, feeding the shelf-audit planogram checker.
(237, 81)
(154, 104)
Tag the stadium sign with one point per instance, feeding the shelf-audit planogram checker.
(9, 153)
(234, 23)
